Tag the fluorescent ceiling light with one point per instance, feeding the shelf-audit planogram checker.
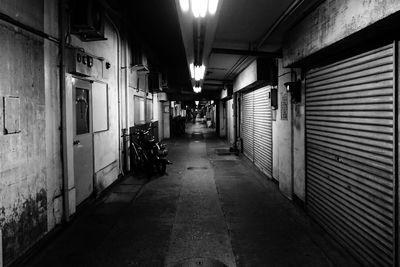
(212, 6)
(184, 5)
(199, 72)
(191, 66)
(197, 89)
(203, 4)
(196, 6)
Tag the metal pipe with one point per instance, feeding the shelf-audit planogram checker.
(227, 51)
(118, 91)
(28, 28)
(283, 17)
(64, 142)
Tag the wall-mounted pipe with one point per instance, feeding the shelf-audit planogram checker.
(118, 92)
(28, 28)
(64, 158)
(281, 19)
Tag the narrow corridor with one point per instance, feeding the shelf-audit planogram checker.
(212, 208)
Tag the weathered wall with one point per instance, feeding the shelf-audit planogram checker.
(282, 139)
(230, 121)
(246, 77)
(222, 118)
(23, 167)
(53, 117)
(298, 115)
(106, 143)
(288, 138)
(332, 21)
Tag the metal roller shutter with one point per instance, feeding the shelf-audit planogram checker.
(263, 130)
(349, 143)
(248, 124)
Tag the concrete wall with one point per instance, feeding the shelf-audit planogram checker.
(53, 117)
(332, 21)
(230, 121)
(282, 138)
(30, 161)
(288, 138)
(106, 153)
(222, 119)
(166, 119)
(298, 130)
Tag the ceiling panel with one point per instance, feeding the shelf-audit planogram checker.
(242, 21)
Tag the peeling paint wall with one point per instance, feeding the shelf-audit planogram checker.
(332, 21)
(53, 117)
(23, 168)
(288, 138)
(282, 135)
(299, 164)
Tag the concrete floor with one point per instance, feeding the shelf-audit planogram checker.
(210, 209)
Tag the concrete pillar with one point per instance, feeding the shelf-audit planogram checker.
(1, 249)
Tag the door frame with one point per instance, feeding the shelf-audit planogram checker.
(68, 132)
(78, 82)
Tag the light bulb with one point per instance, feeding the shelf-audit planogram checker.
(212, 6)
(203, 4)
(199, 72)
(184, 5)
(196, 8)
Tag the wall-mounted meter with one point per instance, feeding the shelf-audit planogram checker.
(82, 64)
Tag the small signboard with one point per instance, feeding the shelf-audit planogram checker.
(284, 106)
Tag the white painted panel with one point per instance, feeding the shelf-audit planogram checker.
(131, 107)
(100, 107)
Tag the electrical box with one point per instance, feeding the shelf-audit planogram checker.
(162, 97)
(11, 113)
(82, 64)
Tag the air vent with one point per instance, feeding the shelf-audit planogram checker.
(87, 20)
(138, 59)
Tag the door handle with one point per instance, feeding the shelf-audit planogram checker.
(77, 142)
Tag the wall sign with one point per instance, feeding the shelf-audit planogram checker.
(284, 106)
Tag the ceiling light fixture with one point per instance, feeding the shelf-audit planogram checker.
(196, 8)
(191, 66)
(197, 89)
(199, 72)
(203, 4)
(200, 7)
(212, 6)
(184, 5)
(197, 102)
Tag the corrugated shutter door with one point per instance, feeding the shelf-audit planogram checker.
(263, 130)
(248, 124)
(349, 142)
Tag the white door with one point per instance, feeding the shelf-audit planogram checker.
(83, 140)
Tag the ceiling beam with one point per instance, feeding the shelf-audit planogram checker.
(228, 51)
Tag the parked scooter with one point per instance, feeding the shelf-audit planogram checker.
(147, 153)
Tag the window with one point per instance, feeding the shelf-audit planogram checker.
(82, 111)
(149, 110)
(139, 106)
